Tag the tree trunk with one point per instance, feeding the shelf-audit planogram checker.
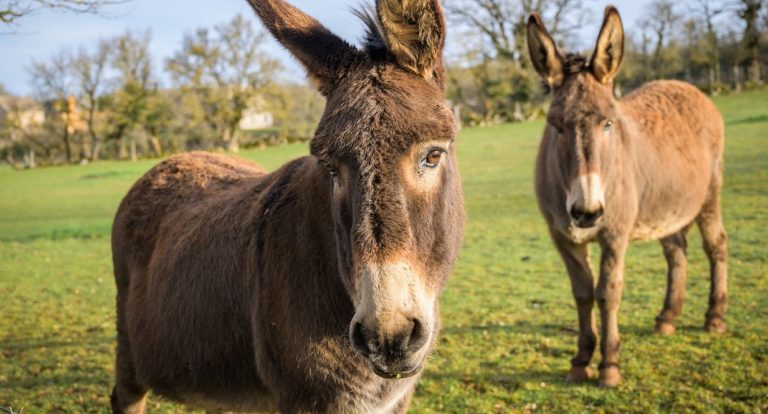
(133, 149)
(157, 147)
(231, 140)
(85, 153)
(29, 159)
(753, 71)
(122, 152)
(67, 148)
(95, 147)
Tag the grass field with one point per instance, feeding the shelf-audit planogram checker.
(509, 321)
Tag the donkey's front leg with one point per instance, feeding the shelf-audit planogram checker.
(576, 258)
(609, 289)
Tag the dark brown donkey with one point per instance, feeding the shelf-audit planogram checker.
(642, 168)
(314, 288)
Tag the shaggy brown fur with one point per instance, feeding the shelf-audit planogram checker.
(309, 289)
(645, 167)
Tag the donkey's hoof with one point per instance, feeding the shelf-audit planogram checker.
(665, 328)
(715, 325)
(610, 377)
(579, 374)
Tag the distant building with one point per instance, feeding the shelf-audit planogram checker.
(255, 119)
(22, 113)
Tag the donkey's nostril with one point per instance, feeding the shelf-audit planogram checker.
(359, 343)
(593, 216)
(585, 219)
(575, 213)
(418, 336)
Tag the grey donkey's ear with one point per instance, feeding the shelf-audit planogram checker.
(323, 54)
(609, 52)
(414, 31)
(544, 54)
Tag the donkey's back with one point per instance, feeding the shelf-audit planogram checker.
(670, 110)
(677, 150)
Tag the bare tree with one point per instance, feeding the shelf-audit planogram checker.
(661, 20)
(135, 86)
(225, 69)
(13, 10)
(89, 68)
(54, 83)
(749, 11)
(503, 22)
(707, 11)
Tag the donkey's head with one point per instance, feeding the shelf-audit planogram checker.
(583, 118)
(386, 141)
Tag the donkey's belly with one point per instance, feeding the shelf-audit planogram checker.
(257, 401)
(662, 227)
(213, 381)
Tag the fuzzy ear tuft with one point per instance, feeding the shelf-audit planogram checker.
(414, 31)
(545, 57)
(609, 52)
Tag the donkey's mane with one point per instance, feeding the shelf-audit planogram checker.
(373, 39)
(573, 63)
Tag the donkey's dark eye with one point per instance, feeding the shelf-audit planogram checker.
(433, 158)
(608, 126)
(331, 171)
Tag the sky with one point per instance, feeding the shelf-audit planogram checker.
(41, 36)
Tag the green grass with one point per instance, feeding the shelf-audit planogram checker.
(509, 321)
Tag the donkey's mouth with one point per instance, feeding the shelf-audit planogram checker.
(387, 373)
(583, 224)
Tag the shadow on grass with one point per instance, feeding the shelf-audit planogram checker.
(28, 345)
(77, 378)
(510, 381)
(749, 120)
(554, 330)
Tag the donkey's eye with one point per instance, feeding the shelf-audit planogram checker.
(433, 157)
(608, 126)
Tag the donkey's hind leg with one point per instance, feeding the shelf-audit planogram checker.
(576, 259)
(128, 396)
(715, 240)
(674, 247)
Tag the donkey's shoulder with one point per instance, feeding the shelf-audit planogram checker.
(666, 92)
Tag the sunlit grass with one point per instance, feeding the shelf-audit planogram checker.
(509, 321)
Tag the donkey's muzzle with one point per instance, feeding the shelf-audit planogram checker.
(395, 355)
(585, 219)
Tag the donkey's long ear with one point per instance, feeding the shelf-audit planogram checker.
(609, 51)
(321, 52)
(544, 54)
(414, 31)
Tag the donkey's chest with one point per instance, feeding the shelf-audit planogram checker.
(375, 398)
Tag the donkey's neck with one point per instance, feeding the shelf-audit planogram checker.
(294, 243)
